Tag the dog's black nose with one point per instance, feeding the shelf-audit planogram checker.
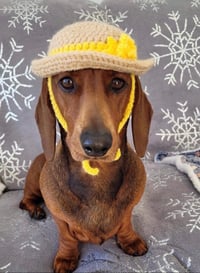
(96, 144)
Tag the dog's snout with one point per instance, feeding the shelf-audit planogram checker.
(96, 144)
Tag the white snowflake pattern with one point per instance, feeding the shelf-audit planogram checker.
(154, 242)
(12, 82)
(4, 268)
(181, 49)
(185, 130)
(189, 208)
(195, 3)
(30, 244)
(2, 188)
(96, 13)
(159, 258)
(163, 262)
(154, 4)
(160, 179)
(97, 1)
(43, 54)
(25, 13)
(11, 167)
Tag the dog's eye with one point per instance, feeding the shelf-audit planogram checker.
(117, 84)
(67, 84)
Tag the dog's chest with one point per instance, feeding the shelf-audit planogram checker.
(99, 211)
(99, 218)
(95, 205)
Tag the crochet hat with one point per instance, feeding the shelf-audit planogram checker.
(91, 45)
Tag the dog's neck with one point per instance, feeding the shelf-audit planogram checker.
(81, 183)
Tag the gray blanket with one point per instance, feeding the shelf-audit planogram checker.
(167, 218)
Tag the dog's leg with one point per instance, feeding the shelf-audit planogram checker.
(129, 240)
(66, 259)
(32, 195)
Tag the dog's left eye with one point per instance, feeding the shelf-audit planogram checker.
(67, 84)
(117, 85)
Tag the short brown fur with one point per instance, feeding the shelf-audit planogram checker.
(84, 207)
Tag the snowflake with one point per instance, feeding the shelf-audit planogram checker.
(160, 179)
(25, 12)
(181, 49)
(154, 242)
(11, 82)
(10, 166)
(154, 4)
(30, 244)
(195, 3)
(188, 208)
(162, 262)
(97, 1)
(102, 14)
(5, 267)
(185, 130)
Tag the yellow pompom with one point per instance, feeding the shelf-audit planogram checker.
(111, 46)
(126, 47)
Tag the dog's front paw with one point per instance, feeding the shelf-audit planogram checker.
(38, 213)
(64, 265)
(34, 210)
(137, 247)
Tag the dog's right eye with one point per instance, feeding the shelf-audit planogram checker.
(67, 84)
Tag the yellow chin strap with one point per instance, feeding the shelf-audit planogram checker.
(56, 109)
(129, 106)
(86, 163)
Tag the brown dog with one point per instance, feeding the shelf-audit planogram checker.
(89, 207)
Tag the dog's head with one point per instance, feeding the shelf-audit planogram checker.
(93, 107)
(91, 86)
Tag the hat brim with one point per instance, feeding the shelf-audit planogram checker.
(72, 61)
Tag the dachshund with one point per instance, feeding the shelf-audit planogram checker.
(92, 179)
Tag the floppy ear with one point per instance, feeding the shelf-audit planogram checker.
(46, 122)
(141, 119)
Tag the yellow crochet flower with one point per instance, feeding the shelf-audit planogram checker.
(111, 46)
(127, 48)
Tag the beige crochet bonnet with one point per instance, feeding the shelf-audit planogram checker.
(91, 45)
